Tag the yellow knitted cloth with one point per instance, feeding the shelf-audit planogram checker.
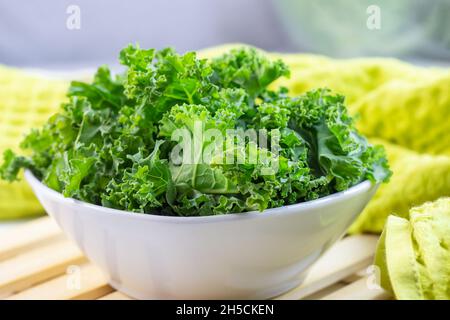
(26, 101)
(405, 108)
(413, 253)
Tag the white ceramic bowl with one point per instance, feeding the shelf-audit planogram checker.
(254, 255)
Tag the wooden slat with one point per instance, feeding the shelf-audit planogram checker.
(325, 291)
(84, 283)
(358, 290)
(115, 296)
(37, 265)
(343, 259)
(28, 236)
(356, 276)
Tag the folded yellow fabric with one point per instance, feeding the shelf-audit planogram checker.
(417, 178)
(413, 253)
(26, 101)
(411, 118)
(413, 114)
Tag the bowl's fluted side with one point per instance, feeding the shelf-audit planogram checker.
(252, 256)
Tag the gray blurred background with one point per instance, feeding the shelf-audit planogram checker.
(35, 33)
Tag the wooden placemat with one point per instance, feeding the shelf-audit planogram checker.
(38, 262)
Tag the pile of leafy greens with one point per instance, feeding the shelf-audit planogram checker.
(111, 143)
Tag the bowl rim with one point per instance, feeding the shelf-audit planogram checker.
(298, 208)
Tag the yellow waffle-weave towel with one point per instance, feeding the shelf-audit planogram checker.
(26, 101)
(413, 255)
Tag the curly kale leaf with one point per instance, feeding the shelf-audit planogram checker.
(248, 69)
(115, 142)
